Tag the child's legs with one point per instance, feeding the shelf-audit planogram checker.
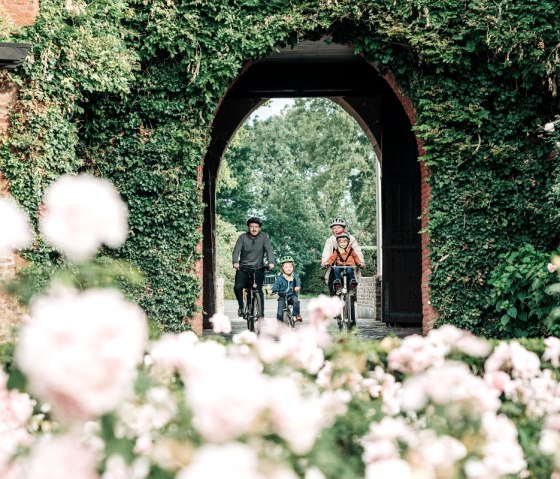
(295, 302)
(350, 274)
(280, 310)
(337, 272)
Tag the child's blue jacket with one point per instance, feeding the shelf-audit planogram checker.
(281, 284)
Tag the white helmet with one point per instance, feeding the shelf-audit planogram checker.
(337, 221)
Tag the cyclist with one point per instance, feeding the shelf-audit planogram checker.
(344, 255)
(249, 253)
(287, 280)
(338, 226)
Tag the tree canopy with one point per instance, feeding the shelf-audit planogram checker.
(297, 170)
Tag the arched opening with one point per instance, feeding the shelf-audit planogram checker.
(317, 69)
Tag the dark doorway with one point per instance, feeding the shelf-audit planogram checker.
(316, 69)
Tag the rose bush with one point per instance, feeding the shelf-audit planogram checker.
(90, 397)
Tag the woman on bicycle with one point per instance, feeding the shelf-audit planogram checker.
(344, 255)
(337, 226)
(287, 285)
(248, 255)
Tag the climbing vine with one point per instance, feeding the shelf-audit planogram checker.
(128, 89)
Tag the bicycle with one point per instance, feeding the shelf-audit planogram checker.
(288, 313)
(347, 295)
(252, 301)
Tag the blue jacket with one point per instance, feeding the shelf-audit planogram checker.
(281, 284)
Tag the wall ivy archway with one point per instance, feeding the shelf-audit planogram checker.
(128, 90)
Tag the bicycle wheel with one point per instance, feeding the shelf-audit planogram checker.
(289, 318)
(347, 313)
(255, 313)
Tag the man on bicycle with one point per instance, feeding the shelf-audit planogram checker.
(249, 254)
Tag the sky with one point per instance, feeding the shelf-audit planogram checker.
(274, 108)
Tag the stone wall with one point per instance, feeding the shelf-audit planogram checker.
(368, 304)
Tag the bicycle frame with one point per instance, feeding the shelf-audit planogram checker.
(288, 315)
(344, 323)
(252, 307)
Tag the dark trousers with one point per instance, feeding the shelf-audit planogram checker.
(337, 272)
(292, 299)
(242, 280)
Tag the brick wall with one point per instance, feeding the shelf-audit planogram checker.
(19, 12)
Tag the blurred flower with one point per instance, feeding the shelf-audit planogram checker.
(57, 457)
(515, 359)
(117, 468)
(415, 354)
(452, 382)
(551, 267)
(322, 310)
(16, 230)
(296, 418)
(549, 127)
(221, 323)
(552, 351)
(232, 460)
(80, 213)
(237, 383)
(16, 409)
(80, 351)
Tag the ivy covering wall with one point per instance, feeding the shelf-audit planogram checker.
(128, 89)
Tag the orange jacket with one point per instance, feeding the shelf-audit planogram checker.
(348, 258)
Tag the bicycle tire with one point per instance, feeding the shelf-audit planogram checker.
(289, 319)
(347, 312)
(255, 312)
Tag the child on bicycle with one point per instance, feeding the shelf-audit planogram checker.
(344, 255)
(287, 285)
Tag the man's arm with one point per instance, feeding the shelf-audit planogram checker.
(268, 250)
(237, 250)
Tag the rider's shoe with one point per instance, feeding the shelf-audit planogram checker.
(353, 283)
(299, 319)
(336, 284)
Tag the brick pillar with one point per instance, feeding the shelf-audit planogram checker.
(196, 320)
(19, 12)
(429, 314)
(220, 306)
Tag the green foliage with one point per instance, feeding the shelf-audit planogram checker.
(226, 236)
(519, 296)
(128, 89)
(101, 272)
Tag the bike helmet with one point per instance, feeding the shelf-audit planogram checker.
(254, 219)
(337, 221)
(286, 259)
(343, 235)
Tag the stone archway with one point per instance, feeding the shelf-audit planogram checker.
(317, 69)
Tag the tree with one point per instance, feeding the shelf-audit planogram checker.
(297, 170)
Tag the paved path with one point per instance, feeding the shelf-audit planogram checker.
(366, 328)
